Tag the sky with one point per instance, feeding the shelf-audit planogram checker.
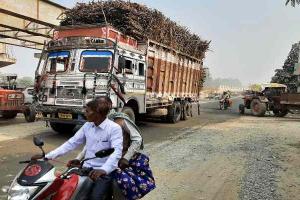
(250, 39)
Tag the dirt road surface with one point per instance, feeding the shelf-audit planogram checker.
(217, 155)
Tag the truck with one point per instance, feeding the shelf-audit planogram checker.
(11, 100)
(142, 78)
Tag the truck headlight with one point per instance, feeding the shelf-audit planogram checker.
(11, 96)
(18, 192)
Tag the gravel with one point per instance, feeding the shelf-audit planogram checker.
(245, 147)
(259, 182)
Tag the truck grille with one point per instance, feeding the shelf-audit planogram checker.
(70, 102)
(13, 103)
(69, 93)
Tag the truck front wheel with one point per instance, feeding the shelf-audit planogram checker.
(29, 113)
(62, 128)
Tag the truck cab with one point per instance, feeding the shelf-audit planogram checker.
(83, 63)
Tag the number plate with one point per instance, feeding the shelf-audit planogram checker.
(64, 116)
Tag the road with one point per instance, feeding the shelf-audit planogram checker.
(217, 155)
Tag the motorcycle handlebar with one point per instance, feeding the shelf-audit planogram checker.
(76, 170)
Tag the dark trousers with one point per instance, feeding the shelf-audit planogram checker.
(102, 189)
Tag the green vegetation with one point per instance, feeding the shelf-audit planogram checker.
(292, 2)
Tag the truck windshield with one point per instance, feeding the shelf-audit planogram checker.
(57, 61)
(95, 61)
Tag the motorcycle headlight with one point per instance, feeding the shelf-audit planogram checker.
(18, 192)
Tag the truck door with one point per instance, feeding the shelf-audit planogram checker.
(129, 72)
(140, 84)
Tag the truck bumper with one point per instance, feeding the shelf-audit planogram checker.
(62, 121)
(50, 114)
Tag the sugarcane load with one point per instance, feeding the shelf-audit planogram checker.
(147, 64)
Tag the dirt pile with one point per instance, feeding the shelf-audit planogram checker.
(140, 22)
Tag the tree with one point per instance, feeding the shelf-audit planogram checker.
(292, 2)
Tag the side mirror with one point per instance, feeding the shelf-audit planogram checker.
(38, 141)
(121, 63)
(122, 89)
(104, 153)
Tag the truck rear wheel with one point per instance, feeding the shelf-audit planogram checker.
(29, 113)
(174, 113)
(62, 128)
(258, 108)
(186, 110)
(9, 114)
(129, 111)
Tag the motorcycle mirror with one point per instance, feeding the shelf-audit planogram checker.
(38, 141)
(104, 153)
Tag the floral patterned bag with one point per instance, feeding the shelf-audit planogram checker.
(137, 180)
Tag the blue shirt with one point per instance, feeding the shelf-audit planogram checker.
(107, 135)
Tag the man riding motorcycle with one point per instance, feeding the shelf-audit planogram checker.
(225, 101)
(98, 133)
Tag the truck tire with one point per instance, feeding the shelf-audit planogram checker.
(191, 109)
(258, 108)
(29, 113)
(62, 128)
(9, 114)
(185, 110)
(242, 109)
(174, 113)
(129, 111)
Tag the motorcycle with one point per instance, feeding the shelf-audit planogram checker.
(225, 103)
(39, 180)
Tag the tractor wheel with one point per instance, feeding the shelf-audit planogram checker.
(258, 108)
(129, 111)
(280, 113)
(174, 113)
(29, 113)
(242, 109)
(221, 106)
(62, 128)
(9, 114)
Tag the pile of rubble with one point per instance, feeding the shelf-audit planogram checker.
(286, 74)
(139, 22)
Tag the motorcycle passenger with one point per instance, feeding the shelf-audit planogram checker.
(98, 133)
(133, 175)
